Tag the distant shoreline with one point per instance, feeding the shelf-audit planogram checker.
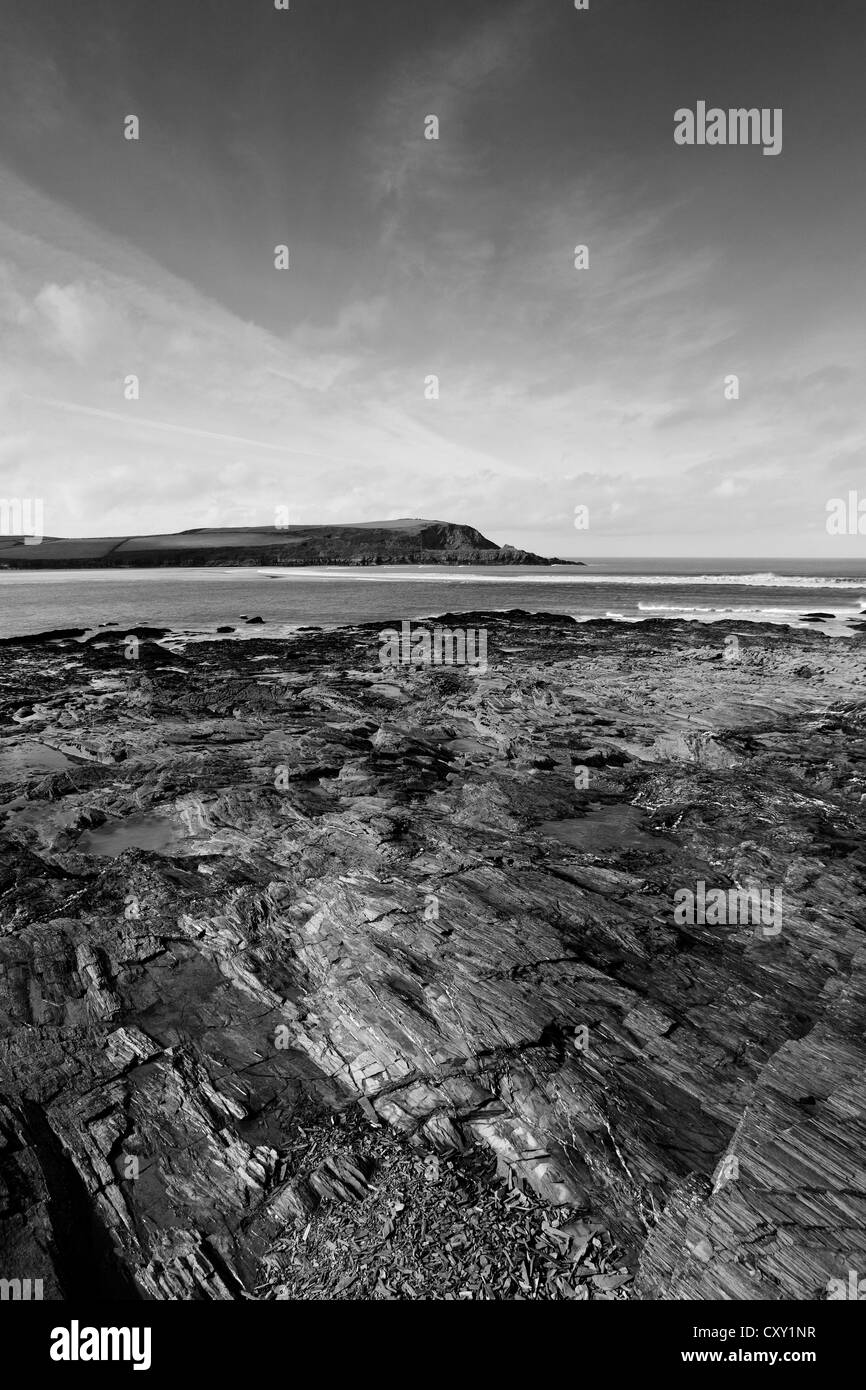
(404, 542)
(145, 561)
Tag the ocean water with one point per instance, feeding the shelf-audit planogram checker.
(197, 601)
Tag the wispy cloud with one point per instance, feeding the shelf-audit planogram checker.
(133, 422)
(412, 258)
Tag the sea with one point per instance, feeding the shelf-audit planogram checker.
(194, 602)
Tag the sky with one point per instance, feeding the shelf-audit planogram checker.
(307, 388)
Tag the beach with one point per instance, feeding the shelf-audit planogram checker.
(279, 915)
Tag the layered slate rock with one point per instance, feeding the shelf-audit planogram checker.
(271, 876)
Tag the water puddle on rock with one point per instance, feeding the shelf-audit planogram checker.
(604, 829)
(143, 831)
(26, 758)
(468, 745)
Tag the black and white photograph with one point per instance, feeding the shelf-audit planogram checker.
(432, 679)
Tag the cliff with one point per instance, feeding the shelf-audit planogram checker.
(409, 541)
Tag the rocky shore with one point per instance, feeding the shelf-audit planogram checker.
(320, 978)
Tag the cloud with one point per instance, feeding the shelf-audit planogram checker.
(131, 420)
(730, 487)
(76, 318)
(452, 257)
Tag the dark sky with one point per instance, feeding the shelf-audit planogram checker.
(453, 257)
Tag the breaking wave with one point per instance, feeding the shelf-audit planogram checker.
(442, 575)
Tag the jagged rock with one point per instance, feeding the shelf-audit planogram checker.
(339, 1180)
(310, 883)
